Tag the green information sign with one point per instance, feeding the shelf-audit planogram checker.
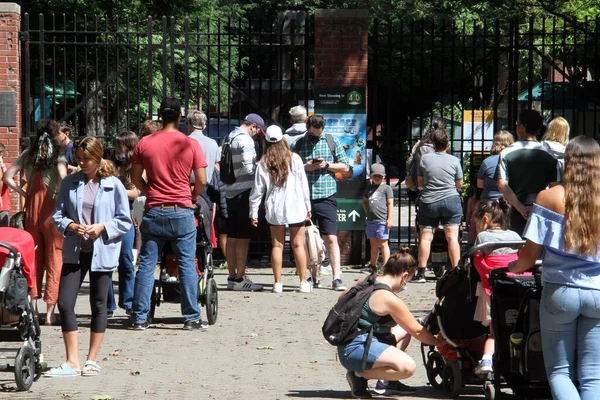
(350, 215)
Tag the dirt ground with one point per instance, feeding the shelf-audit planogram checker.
(263, 346)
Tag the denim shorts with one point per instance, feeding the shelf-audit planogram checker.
(377, 230)
(445, 212)
(351, 355)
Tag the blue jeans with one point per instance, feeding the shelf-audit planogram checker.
(570, 325)
(176, 226)
(126, 270)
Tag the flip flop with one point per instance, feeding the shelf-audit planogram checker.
(64, 370)
(90, 369)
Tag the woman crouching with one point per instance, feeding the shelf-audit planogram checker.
(394, 325)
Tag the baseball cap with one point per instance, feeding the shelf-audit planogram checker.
(377, 169)
(256, 119)
(170, 107)
(273, 134)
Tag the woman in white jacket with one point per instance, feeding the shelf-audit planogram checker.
(280, 174)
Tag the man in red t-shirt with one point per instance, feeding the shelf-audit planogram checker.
(4, 193)
(168, 157)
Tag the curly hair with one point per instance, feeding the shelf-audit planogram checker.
(277, 160)
(581, 181)
(128, 140)
(45, 148)
(400, 262)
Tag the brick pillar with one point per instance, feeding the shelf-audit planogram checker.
(341, 59)
(10, 79)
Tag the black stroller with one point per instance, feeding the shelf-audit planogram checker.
(451, 367)
(18, 322)
(166, 287)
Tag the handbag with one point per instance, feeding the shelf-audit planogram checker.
(315, 247)
(15, 296)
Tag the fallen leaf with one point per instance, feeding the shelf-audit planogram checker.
(134, 373)
(115, 353)
(265, 348)
(101, 397)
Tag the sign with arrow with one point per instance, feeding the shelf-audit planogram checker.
(350, 215)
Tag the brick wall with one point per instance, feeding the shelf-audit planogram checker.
(341, 59)
(10, 78)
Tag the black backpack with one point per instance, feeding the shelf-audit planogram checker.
(227, 171)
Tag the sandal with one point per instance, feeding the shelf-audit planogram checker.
(64, 370)
(90, 369)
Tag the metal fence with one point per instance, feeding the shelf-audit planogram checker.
(420, 70)
(105, 76)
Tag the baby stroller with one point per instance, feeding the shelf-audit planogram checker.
(166, 288)
(451, 367)
(518, 359)
(18, 322)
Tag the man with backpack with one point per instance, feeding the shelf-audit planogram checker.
(324, 156)
(238, 164)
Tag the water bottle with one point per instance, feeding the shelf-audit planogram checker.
(515, 352)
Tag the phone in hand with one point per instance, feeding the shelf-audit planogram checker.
(317, 160)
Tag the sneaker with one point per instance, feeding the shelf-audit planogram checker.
(314, 282)
(419, 276)
(358, 386)
(306, 287)
(110, 314)
(484, 367)
(325, 270)
(277, 287)
(140, 326)
(393, 388)
(369, 269)
(338, 285)
(194, 325)
(230, 281)
(245, 284)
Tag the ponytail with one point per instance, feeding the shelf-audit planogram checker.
(105, 169)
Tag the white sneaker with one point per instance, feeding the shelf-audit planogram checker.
(247, 285)
(306, 287)
(325, 270)
(277, 287)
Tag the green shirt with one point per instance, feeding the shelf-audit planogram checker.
(50, 175)
(321, 182)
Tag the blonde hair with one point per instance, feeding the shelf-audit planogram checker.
(558, 131)
(502, 139)
(94, 151)
(149, 127)
(581, 181)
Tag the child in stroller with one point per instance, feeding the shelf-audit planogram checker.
(167, 288)
(18, 321)
(491, 222)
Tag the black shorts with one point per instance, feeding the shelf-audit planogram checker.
(238, 219)
(324, 215)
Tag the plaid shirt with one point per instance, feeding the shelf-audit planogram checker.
(322, 182)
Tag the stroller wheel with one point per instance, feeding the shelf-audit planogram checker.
(25, 368)
(212, 301)
(435, 369)
(452, 379)
(202, 288)
(490, 391)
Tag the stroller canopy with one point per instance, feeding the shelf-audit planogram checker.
(23, 242)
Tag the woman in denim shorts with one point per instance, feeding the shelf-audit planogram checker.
(386, 361)
(439, 176)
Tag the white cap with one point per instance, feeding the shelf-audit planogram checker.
(273, 134)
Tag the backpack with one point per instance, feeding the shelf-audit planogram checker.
(341, 325)
(227, 171)
(339, 175)
(15, 296)
(315, 247)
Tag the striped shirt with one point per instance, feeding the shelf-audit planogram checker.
(243, 155)
(321, 182)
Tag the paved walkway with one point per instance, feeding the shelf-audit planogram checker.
(263, 346)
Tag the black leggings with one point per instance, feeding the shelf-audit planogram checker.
(70, 281)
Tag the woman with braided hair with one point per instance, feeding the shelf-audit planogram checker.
(45, 166)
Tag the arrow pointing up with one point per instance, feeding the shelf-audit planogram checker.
(353, 214)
